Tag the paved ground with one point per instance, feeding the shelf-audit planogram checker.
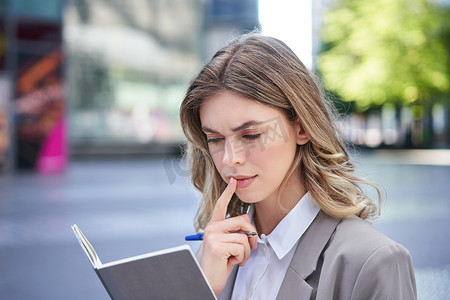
(130, 207)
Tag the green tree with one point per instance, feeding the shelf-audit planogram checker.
(382, 51)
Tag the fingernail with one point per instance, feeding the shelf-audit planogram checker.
(231, 180)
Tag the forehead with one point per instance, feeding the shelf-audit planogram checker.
(227, 110)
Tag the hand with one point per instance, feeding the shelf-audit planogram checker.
(224, 245)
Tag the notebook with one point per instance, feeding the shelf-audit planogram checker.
(172, 273)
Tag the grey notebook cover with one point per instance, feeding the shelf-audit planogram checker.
(172, 273)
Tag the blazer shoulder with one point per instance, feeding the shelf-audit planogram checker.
(388, 272)
(370, 265)
(356, 244)
(356, 236)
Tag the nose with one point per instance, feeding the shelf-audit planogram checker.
(233, 154)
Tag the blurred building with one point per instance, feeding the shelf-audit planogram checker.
(129, 64)
(31, 83)
(225, 19)
(103, 77)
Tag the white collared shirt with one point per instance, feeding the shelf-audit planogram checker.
(262, 275)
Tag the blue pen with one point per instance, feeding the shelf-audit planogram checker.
(199, 236)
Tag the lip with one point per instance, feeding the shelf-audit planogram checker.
(243, 181)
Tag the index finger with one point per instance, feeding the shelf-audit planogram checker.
(220, 209)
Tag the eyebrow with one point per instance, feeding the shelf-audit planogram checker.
(243, 126)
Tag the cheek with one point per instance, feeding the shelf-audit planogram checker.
(275, 155)
(262, 156)
(267, 158)
(217, 157)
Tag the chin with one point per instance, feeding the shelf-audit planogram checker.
(248, 197)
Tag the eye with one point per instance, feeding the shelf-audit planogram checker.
(251, 136)
(213, 140)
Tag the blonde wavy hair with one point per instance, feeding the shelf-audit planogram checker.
(266, 70)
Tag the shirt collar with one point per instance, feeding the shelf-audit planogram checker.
(292, 226)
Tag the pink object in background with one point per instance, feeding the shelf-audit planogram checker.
(53, 155)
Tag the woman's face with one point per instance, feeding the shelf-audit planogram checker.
(251, 142)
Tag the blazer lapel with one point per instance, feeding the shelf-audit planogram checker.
(228, 289)
(294, 287)
(306, 256)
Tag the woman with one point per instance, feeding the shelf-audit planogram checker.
(266, 154)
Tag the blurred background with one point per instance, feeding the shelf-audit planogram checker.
(89, 129)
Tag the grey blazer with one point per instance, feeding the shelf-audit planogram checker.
(344, 259)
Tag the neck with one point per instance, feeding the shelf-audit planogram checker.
(270, 212)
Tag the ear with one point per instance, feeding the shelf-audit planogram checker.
(301, 136)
